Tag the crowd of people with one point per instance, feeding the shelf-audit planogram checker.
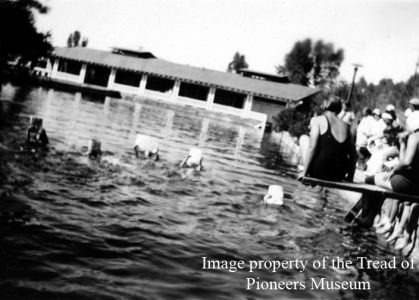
(384, 152)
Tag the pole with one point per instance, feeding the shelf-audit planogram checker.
(353, 81)
(416, 71)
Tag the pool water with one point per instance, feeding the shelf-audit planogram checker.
(127, 228)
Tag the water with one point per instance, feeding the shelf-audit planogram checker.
(135, 229)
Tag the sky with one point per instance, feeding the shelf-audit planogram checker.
(381, 35)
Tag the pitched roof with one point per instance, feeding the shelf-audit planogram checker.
(159, 67)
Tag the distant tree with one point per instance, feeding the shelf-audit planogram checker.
(18, 34)
(70, 41)
(316, 64)
(84, 42)
(298, 63)
(239, 62)
(74, 38)
(295, 121)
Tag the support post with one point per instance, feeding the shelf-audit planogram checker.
(210, 98)
(247, 105)
(55, 68)
(175, 91)
(82, 74)
(111, 79)
(143, 83)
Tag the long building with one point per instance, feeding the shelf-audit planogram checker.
(251, 95)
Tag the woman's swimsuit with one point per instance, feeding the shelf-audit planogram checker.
(331, 160)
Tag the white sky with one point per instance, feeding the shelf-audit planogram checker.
(382, 35)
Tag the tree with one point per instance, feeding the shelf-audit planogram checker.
(298, 63)
(84, 42)
(74, 38)
(239, 62)
(18, 34)
(307, 63)
(70, 41)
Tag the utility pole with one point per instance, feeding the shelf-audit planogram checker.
(356, 66)
(416, 71)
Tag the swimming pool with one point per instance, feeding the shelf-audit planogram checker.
(137, 229)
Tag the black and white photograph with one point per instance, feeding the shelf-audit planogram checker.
(209, 149)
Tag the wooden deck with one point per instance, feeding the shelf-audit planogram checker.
(361, 188)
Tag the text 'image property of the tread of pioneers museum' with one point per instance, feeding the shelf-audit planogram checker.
(248, 94)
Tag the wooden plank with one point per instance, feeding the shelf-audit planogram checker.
(361, 188)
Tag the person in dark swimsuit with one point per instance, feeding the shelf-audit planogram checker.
(36, 136)
(331, 154)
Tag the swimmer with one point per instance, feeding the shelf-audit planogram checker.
(193, 160)
(148, 145)
(36, 136)
(275, 195)
(94, 149)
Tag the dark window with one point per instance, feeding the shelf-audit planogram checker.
(97, 75)
(159, 84)
(228, 98)
(194, 91)
(128, 78)
(69, 66)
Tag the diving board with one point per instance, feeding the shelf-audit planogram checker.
(361, 188)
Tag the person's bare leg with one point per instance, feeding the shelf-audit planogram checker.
(392, 214)
(381, 179)
(405, 236)
(400, 226)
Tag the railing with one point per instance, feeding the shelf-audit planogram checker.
(227, 109)
(258, 116)
(126, 88)
(66, 76)
(191, 101)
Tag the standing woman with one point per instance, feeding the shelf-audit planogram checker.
(331, 153)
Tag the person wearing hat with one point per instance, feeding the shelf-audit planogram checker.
(378, 125)
(374, 141)
(363, 132)
(414, 103)
(390, 109)
(414, 107)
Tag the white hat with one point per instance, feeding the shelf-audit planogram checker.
(412, 122)
(386, 116)
(390, 107)
(376, 111)
(275, 195)
(147, 143)
(414, 102)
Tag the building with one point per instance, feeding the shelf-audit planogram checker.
(250, 95)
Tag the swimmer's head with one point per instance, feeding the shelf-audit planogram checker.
(35, 122)
(366, 111)
(333, 104)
